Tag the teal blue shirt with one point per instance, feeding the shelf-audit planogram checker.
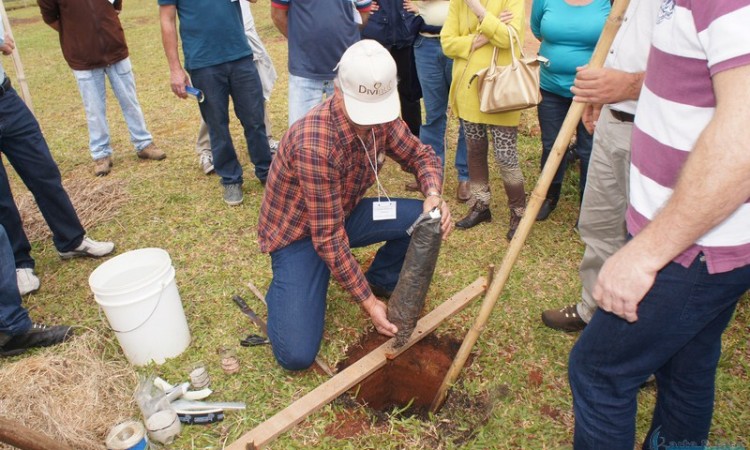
(569, 34)
(212, 31)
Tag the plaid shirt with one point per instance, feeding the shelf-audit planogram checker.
(321, 172)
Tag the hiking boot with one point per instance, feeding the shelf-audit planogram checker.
(103, 166)
(89, 247)
(233, 194)
(412, 186)
(152, 152)
(206, 162)
(37, 336)
(380, 292)
(273, 145)
(26, 280)
(565, 319)
(463, 193)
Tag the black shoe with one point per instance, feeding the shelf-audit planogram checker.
(37, 336)
(474, 218)
(380, 292)
(548, 206)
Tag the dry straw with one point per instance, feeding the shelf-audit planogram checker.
(95, 201)
(71, 392)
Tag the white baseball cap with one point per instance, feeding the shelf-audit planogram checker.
(367, 78)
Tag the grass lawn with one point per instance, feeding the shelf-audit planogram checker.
(518, 375)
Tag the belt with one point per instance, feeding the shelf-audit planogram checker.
(5, 87)
(622, 116)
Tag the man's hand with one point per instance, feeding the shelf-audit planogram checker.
(605, 85)
(591, 113)
(8, 46)
(624, 280)
(178, 79)
(377, 311)
(446, 224)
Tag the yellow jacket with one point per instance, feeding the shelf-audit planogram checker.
(459, 31)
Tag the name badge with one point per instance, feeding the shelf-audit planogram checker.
(384, 210)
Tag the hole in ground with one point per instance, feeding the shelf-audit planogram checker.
(414, 376)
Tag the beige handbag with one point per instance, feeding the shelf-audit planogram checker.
(512, 87)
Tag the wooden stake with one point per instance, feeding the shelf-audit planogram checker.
(285, 419)
(20, 75)
(23, 437)
(537, 197)
(318, 360)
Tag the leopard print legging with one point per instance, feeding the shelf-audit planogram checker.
(504, 140)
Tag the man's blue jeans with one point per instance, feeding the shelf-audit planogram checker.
(305, 94)
(552, 111)
(297, 295)
(238, 79)
(677, 337)
(14, 319)
(434, 72)
(22, 144)
(94, 94)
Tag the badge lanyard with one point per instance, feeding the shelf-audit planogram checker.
(380, 210)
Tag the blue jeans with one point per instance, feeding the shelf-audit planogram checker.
(434, 72)
(94, 95)
(23, 145)
(14, 319)
(677, 337)
(297, 295)
(238, 79)
(552, 111)
(305, 94)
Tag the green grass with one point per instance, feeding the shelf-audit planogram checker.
(519, 366)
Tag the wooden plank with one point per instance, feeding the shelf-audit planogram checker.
(23, 437)
(285, 419)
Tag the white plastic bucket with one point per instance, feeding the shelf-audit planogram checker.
(138, 294)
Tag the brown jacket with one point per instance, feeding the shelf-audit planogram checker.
(91, 35)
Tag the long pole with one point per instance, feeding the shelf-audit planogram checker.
(537, 197)
(20, 75)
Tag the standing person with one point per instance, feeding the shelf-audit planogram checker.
(220, 71)
(267, 73)
(667, 296)
(17, 332)
(24, 147)
(395, 28)
(434, 70)
(318, 33)
(617, 86)
(471, 32)
(568, 30)
(93, 44)
(313, 211)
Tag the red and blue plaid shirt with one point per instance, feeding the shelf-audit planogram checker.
(321, 172)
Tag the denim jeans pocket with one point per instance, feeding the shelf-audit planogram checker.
(123, 67)
(83, 75)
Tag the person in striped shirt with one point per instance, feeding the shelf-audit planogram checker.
(314, 210)
(666, 297)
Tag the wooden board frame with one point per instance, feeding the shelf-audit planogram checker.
(285, 419)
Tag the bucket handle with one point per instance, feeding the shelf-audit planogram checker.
(158, 301)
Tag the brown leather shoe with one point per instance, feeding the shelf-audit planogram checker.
(152, 152)
(412, 186)
(565, 319)
(463, 193)
(474, 218)
(103, 166)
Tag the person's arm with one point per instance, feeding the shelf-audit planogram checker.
(456, 45)
(7, 44)
(178, 78)
(713, 183)
(280, 16)
(495, 28)
(605, 85)
(50, 13)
